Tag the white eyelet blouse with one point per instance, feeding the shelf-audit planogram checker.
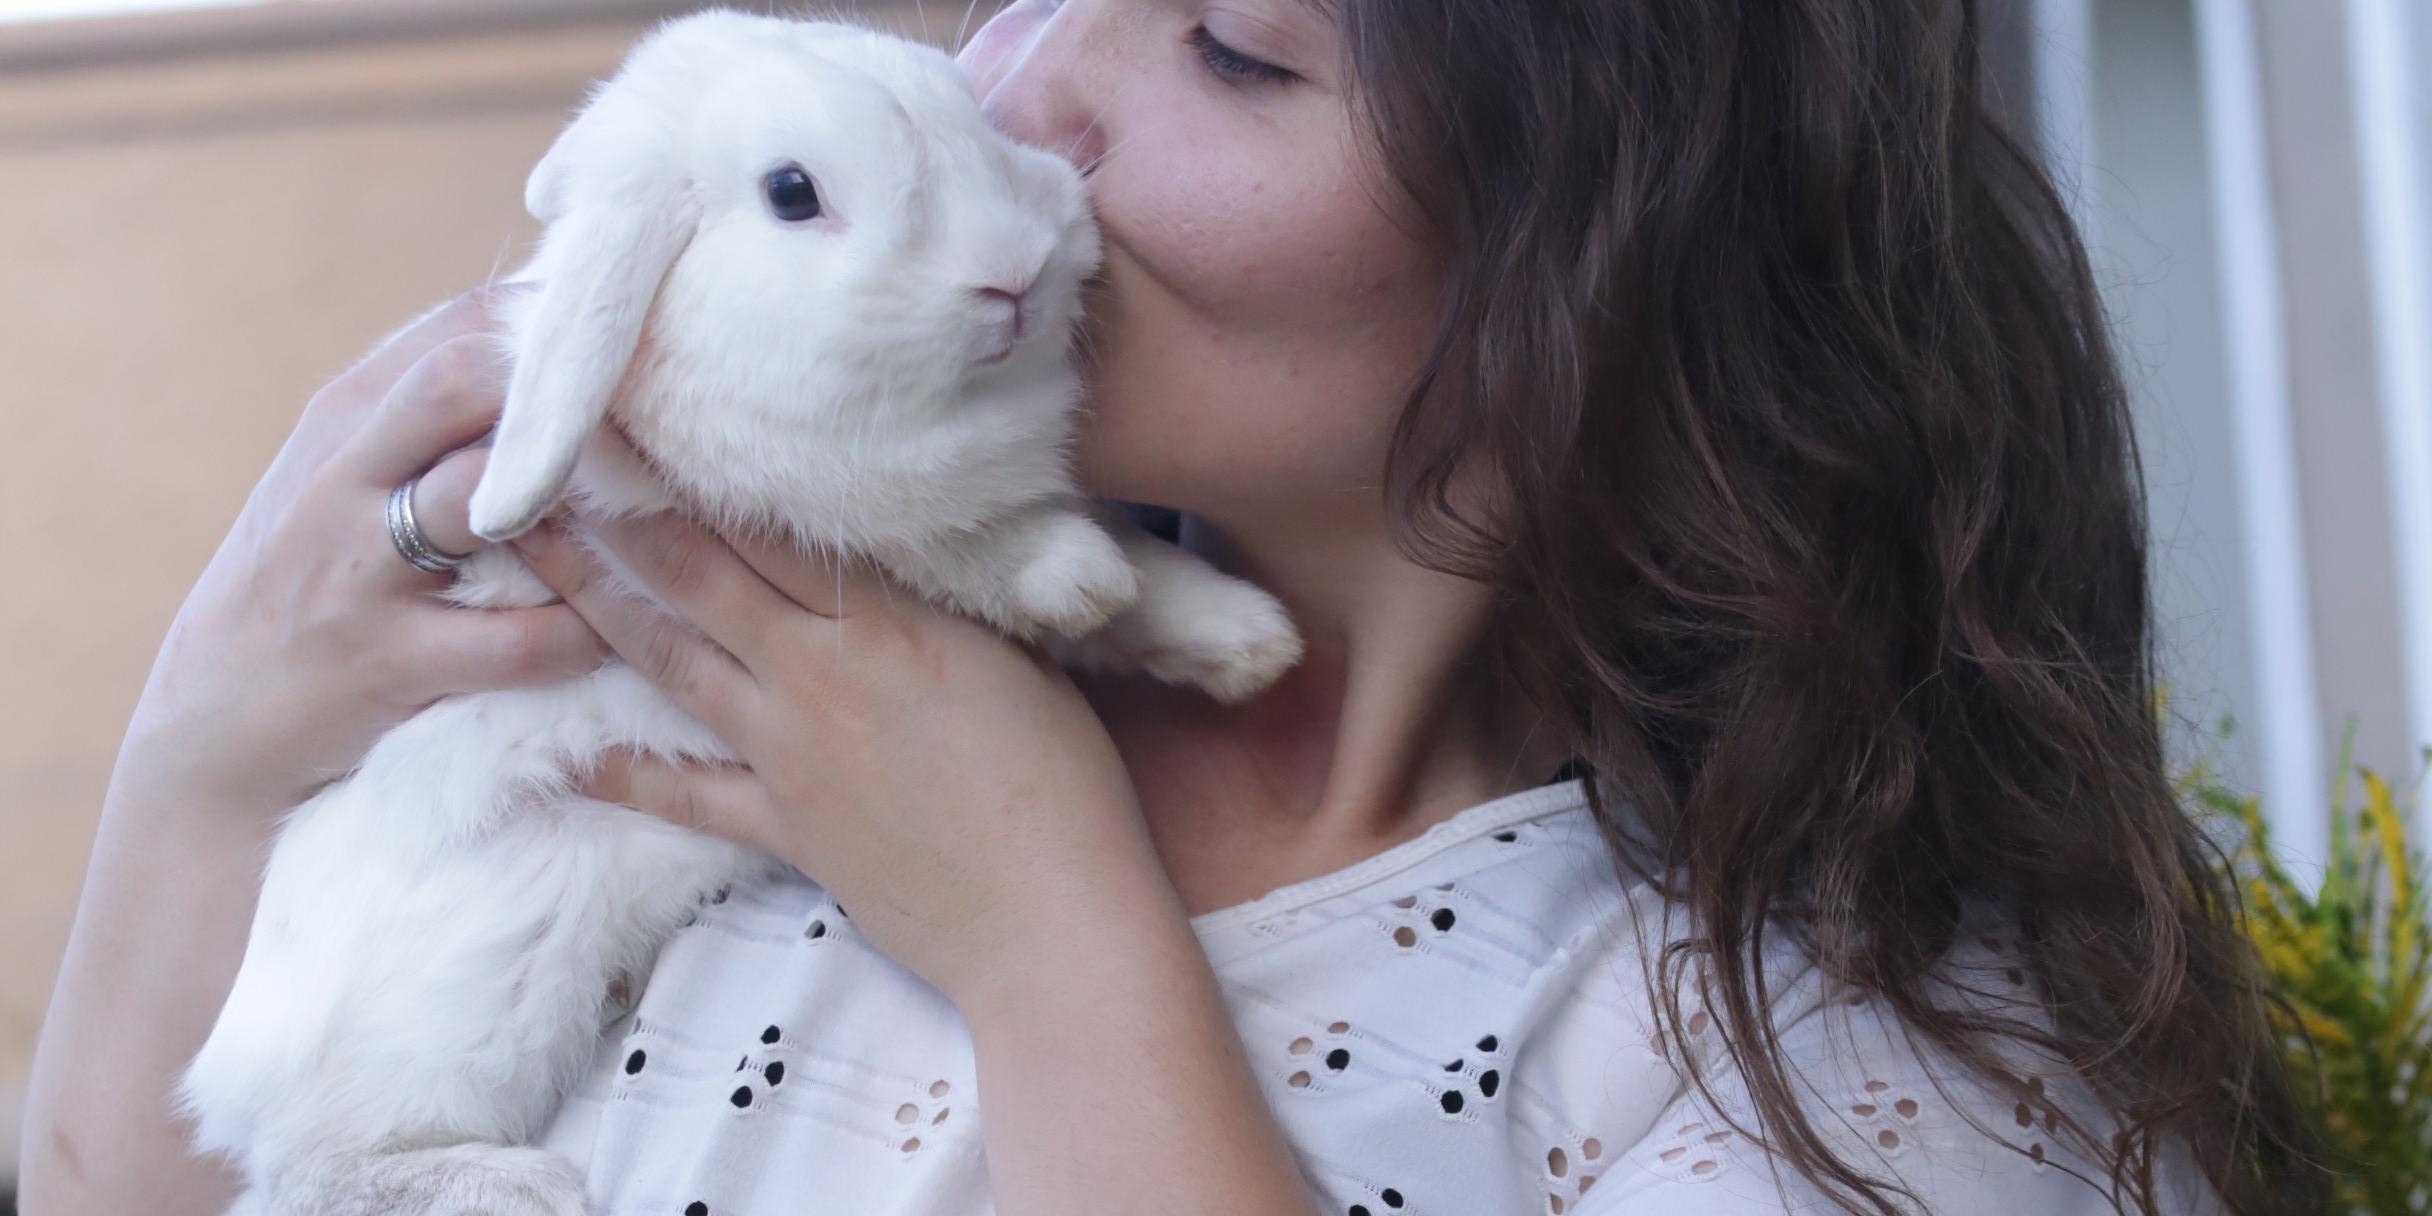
(1458, 1026)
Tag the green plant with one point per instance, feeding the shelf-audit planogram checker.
(2352, 959)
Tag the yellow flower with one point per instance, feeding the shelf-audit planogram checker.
(2349, 959)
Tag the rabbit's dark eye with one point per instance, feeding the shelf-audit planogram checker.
(791, 194)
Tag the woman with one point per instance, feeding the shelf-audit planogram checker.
(1698, 392)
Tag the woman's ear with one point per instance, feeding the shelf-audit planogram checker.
(618, 217)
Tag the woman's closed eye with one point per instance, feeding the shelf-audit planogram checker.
(1232, 64)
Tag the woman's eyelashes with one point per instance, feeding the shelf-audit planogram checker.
(1232, 64)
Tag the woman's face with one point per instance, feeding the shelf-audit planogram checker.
(1262, 312)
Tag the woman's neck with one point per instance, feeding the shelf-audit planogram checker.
(1392, 722)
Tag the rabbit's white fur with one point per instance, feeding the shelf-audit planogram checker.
(439, 932)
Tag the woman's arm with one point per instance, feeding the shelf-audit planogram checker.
(305, 637)
(959, 794)
(1115, 1081)
(159, 930)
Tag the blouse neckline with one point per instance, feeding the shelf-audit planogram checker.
(1516, 807)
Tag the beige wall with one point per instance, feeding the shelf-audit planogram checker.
(206, 215)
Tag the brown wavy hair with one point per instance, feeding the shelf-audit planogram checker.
(1824, 536)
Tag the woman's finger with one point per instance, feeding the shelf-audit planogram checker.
(723, 800)
(442, 507)
(479, 650)
(359, 388)
(815, 579)
(443, 501)
(702, 578)
(693, 671)
(811, 579)
(447, 399)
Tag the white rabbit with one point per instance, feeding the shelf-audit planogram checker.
(795, 266)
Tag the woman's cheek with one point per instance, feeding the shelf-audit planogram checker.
(1203, 228)
(1268, 223)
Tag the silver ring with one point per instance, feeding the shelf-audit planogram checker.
(412, 545)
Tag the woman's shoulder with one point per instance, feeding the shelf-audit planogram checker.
(1935, 1133)
(1469, 1025)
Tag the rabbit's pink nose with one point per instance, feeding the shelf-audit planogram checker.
(1005, 322)
(1010, 297)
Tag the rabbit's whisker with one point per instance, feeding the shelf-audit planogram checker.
(1102, 157)
(491, 279)
(836, 555)
(1078, 140)
(1100, 115)
(962, 32)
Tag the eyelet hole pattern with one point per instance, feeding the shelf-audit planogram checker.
(1311, 1057)
(928, 1110)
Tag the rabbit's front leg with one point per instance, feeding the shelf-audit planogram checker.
(1192, 625)
(1050, 571)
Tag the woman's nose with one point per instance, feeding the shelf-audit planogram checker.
(1038, 89)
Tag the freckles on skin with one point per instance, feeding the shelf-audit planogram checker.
(1262, 310)
(1264, 315)
(1267, 231)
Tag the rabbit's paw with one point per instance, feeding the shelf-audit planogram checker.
(1229, 639)
(1076, 580)
(458, 1180)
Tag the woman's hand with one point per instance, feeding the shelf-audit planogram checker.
(304, 639)
(307, 635)
(950, 787)
(957, 793)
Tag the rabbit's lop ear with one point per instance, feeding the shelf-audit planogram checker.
(619, 212)
(550, 186)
